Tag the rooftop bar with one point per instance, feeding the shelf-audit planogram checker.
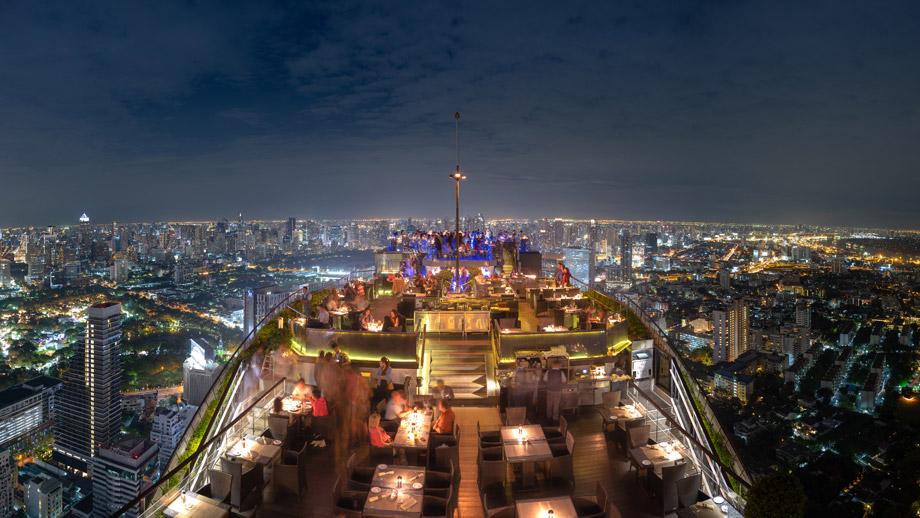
(412, 394)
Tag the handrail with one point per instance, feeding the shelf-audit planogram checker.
(425, 365)
(302, 292)
(201, 448)
(688, 385)
(712, 456)
(224, 371)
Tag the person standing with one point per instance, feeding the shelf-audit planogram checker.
(555, 380)
(382, 381)
(441, 391)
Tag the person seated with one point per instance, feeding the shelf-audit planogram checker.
(301, 390)
(277, 406)
(322, 316)
(378, 436)
(442, 391)
(320, 405)
(445, 421)
(394, 322)
(366, 318)
(360, 303)
(397, 407)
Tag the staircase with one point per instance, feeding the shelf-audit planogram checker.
(463, 364)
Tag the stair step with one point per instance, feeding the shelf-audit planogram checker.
(471, 350)
(457, 356)
(460, 380)
(481, 393)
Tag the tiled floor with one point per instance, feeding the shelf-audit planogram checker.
(594, 461)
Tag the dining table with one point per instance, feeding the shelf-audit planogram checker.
(188, 505)
(261, 450)
(396, 491)
(413, 434)
(338, 317)
(658, 455)
(525, 445)
(620, 413)
(562, 507)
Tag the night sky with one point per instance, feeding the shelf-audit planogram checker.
(718, 111)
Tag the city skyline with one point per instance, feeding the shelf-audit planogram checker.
(448, 221)
(772, 114)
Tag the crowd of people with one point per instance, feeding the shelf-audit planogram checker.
(473, 244)
(364, 410)
(352, 301)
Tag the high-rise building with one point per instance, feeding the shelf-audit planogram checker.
(719, 335)
(27, 410)
(44, 497)
(290, 230)
(730, 331)
(169, 423)
(6, 483)
(803, 314)
(89, 409)
(651, 243)
(258, 302)
(120, 269)
(725, 279)
(6, 275)
(199, 371)
(625, 256)
(120, 473)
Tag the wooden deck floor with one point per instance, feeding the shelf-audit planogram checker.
(593, 462)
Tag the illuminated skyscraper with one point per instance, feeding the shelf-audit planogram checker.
(89, 409)
(625, 255)
(730, 331)
(259, 302)
(6, 483)
(6, 276)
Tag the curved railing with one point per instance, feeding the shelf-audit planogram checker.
(187, 484)
(214, 408)
(705, 423)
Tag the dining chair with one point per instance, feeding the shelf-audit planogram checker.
(492, 466)
(445, 454)
(515, 415)
(348, 504)
(495, 499)
(639, 435)
(559, 478)
(251, 491)
(556, 433)
(278, 424)
(665, 486)
(688, 492)
(591, 507)
(490, 438)
(359, 477)
(219, 486)
(612, 398)
(434, 507)
(288, 478)
(570, 442)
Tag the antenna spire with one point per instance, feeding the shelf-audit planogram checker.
(457, 136)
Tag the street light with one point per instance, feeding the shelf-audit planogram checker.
(457, 176)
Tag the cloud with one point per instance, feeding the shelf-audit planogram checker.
(697, 111)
